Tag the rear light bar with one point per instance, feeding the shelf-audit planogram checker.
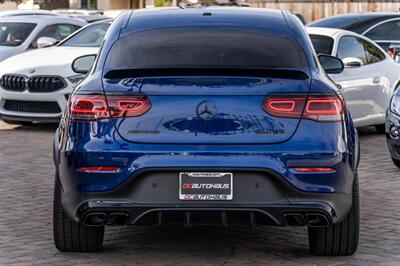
(321, 108)
(313, 169)
(94, 107)
(99, 169)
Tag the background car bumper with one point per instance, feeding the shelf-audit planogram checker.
(29, 106)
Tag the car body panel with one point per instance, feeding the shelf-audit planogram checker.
(234, 102)
(366, 89)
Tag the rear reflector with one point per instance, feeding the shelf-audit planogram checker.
(99, 169)
(321, 108)
(94, 107)
(313, 169)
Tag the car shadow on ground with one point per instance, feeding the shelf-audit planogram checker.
(46, 127)
(210, 243)
(367, 131)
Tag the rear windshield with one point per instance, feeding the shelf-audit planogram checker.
(218, 47)
(322, 44)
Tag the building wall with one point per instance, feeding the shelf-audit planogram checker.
(110, 4)
(8, 5)
(312, 10)
(50, 4)
(74, 4)
(114, 4)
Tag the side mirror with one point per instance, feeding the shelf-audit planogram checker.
(352, 62)
(331, 64)
(44, 42)
(83, 64)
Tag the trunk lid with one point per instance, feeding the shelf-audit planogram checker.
(205, 109)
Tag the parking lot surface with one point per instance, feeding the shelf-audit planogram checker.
(26, 186)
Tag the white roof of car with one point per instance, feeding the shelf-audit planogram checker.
(44, 19)
(24, 12)
(332, 32)
(78, 11)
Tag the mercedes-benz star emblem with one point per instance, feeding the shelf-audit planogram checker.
(206, 110)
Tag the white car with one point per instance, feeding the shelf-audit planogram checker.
(370, 75)
(25, 12)
(89, 15)
(34, 86)
(21, 33)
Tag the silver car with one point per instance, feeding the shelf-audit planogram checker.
(370, 74)
(22, 33)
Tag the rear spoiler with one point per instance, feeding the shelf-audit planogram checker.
(235, 72)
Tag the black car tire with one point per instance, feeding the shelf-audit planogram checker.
(380, 129)
(70, 235)
(22, 123)
(396, 162)
(338, 239)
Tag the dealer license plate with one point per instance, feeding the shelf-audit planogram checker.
(205, 186)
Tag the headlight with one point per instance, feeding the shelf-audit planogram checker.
(395, 104)
(76, 79)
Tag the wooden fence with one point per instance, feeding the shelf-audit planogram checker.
(312, 10)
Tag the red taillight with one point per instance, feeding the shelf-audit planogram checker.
(94, 107)
(313, 169)
(284, 106)
(322, 108)
(98, 169)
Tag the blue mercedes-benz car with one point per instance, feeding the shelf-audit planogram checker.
(207, 116)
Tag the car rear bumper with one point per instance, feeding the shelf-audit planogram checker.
(125, 213)
(259, 197)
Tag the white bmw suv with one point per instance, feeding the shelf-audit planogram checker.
(34, 86)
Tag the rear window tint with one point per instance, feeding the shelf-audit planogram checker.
(195, 47)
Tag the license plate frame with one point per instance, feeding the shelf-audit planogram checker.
(205, 186)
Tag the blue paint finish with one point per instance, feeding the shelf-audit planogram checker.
(228, 140)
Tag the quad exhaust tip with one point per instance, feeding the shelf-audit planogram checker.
(309, 219)
(294, 219)
(317, 220)
(100, 219)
